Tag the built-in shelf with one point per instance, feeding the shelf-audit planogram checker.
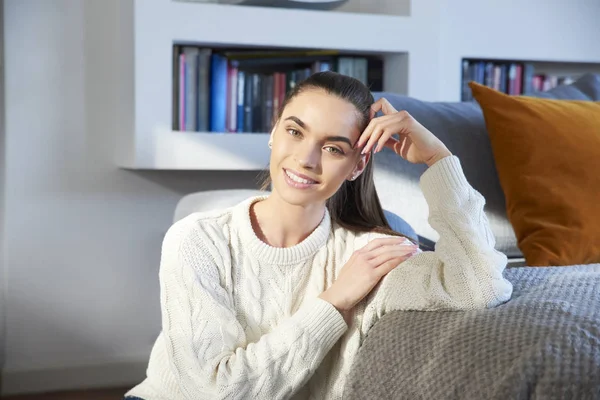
(149, 30)
(422, 55)
(521, 77)
(179, 150)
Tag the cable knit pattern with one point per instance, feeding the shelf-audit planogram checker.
(242, 320)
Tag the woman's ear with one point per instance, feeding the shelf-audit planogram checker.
(360, 167)
(271, 138)
(273, 132)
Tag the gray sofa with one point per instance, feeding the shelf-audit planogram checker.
(544, 343)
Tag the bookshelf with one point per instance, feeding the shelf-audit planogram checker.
(520, 77)
(148, 140)
(422, 46)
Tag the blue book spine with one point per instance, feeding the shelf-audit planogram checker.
(481, 73)
(218, 109)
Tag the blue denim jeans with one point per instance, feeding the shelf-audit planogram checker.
(132, 398)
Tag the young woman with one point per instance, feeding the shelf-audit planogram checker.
(271, 299)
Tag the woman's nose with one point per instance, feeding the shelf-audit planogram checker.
(308, 157)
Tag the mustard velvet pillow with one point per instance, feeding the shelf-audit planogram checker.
(547, 154)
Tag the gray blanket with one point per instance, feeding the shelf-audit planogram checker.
(542, 344)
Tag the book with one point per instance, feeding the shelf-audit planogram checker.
(191, 88)
(240, 101)
(345, 66)
(267, 102)
(218, 95)
(237, 90)
(248, 95)
(182, 97)
(204, 61)
(361, 70)
(257, 115)
(232, 97)
(175, 85)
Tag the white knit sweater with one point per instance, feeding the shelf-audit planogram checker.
(242, 320)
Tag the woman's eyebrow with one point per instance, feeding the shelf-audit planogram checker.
(299, 122)
(339, 139)
(328, 138)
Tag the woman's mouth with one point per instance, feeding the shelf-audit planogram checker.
(297, 180)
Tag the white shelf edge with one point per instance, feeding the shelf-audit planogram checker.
(183, 150)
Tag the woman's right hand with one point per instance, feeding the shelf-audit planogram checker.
(365, 268)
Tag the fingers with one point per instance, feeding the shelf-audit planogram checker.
(373, 138)
(382, 105)
(405, 146)
(383, 128)
(379, 137)
(366, 134)
(375, 107)
(383, 141)
(384, 254)
(374, 254)
(393, 144)
(399, 146)
(375, 243)
(374, 130)
(390, 260)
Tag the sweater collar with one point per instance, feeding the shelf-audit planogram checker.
(279, 255)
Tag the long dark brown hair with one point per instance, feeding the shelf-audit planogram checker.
(355, 206)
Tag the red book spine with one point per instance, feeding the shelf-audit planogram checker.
(519, 80)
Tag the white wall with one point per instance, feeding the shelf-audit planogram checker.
(82, 238)
(2, 194)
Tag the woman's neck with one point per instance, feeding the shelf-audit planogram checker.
(281, 224)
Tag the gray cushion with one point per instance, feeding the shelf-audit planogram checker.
(461, 127)
(212, 200)
(585, 88)
(400, 225)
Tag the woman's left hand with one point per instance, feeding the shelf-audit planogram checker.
(416, 144)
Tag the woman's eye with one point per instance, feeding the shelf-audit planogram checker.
(294, 132)
(334, 150)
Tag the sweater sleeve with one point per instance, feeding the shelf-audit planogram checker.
(464, 272)
(207, 348)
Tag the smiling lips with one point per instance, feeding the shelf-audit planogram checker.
(298, 180)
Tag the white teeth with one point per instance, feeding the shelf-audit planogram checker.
(296, 178)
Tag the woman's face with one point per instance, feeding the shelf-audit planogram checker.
(312, 151)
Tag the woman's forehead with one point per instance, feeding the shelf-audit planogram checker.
(323, 113)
